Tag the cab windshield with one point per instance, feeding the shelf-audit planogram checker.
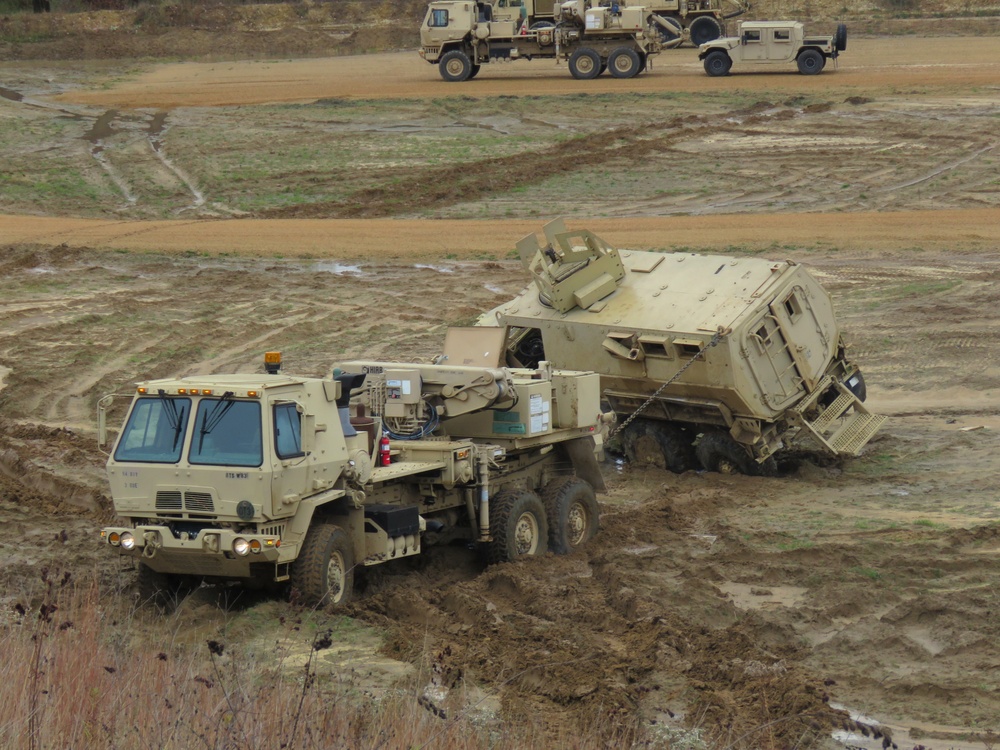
(155, 430)
(227, 433)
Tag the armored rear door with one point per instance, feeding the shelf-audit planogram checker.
(771, 364)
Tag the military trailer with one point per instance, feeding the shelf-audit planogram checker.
(773, 42)
(273, 479)
(707, 360)
(460, 36)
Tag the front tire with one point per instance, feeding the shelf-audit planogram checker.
(323, 573)
(624, 62)
(718, 63)
(659, 444)
(811, 62)
(518, 526)
(455, 66)
(585, 64)
(165, 591)
(572, 513)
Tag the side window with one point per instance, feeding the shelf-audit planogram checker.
(781, 35)
(793, 306)
(751, 36)
(439, 18)
(287, 431)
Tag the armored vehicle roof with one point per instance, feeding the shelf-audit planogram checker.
(680, 292)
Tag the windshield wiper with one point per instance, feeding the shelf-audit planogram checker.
(173, 418)
(212, 418)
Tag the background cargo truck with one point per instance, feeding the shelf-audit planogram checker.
(460, 37)
(708, 360)
(269, 479)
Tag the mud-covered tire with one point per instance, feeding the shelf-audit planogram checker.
(624, 62)
(164, 591)
(704, 29)
(840, 38)
(518, 526)
(718, 63)
(644, 436)
(572, 513)
(585, 64)
(811, 62)
(323, 573)
(455, 66)
(717, 451)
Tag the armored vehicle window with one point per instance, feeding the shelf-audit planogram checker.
(287, 431)
(155, 430)
(751, 36)
(792, 306)
(227, 433)
(439, 18)
(782, 35)
(688, 350)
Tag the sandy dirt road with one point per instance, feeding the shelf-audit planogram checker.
(934, 64)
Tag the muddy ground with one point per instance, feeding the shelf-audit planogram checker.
(742, 607)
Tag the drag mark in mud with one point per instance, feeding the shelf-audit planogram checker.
(157, 128)
(101, 130)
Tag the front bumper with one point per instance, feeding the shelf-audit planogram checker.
(210, 552)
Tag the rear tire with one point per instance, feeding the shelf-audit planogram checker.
(718, 63)
(811, 62)
(717, 451)
(624, 62)
(455, 66)
(572, 513)
(704, 29)
(585, 64)
(323, 573)
(518, 526)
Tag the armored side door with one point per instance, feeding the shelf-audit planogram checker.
(771, 364)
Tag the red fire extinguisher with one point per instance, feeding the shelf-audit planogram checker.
(383, 451)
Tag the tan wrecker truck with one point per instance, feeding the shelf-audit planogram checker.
(270, 478)
(460, 36)
(709, 361)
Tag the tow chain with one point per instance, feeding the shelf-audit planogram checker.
(716, 338)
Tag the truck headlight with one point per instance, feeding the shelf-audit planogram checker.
(241, 546)
(127, 541)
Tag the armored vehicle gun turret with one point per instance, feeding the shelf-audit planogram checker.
(707, 360)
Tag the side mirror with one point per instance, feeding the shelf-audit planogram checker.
(102, 420)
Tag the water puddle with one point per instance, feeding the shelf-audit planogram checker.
(432, 267)
(338, 269)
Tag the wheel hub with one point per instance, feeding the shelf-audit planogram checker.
(526, 534)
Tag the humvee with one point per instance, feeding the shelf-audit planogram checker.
(708, 361)
(773, 42)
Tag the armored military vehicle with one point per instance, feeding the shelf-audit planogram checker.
(268, 478)
(773, 42)
(707, 360)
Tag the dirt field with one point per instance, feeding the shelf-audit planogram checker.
(749, 609)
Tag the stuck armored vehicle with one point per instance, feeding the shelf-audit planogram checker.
(269, 479)
(460, 36)
(707, 360)
(773, 42)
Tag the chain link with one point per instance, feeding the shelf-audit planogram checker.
(716, 338)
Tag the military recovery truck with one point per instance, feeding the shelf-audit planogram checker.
(460, 36)
(707, 360)
(773, 42)
(675, 21)
(265, 479)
